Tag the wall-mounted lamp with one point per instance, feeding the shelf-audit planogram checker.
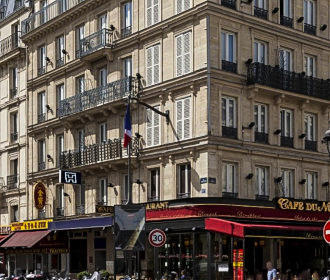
(249, 176)
(277, 131)
(249, 61)
(302, 135)
(139, 182)
(326, 140)
(302, 181)
(300, 20)
(138, 135)
(112, 28)
(325, 184)
(278, 180)
(110, 185)
(48, 59)
(250, 126)
(49, 157)
(323, 27)
(65, 52)
(275, 10)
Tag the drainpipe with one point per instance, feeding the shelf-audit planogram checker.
(208, 47)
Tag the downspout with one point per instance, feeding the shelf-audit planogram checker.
(208, 57)
(27, 137)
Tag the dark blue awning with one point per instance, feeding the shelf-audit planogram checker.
(96, 222)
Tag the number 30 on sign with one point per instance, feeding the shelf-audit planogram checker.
(157, 238)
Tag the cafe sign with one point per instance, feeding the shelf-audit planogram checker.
(30, 225)
(39, 195)
(302, 205)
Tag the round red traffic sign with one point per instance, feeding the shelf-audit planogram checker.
(326, 232)
(157, 237)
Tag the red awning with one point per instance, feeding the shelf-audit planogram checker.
(237, 229)
(24, 239)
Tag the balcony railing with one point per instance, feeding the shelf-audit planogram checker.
(290, 81)
(229, 132)
(286, 21)
(230, 194)
(287, 141)
(12, 182)
(59, 62)
(80, 209)
(311, 145)
(98, 40)
(48, 13)
(9, 44)
(260, 12)
(98, 96)
(59, 212)
(4, 12)
(126, 31)
(309, 29)
(229, 4)
(41, 70)
(13, 136)
(41, 118)
(261, 137)
(229, 66)
(41, 166)
(13, 93)
(112, 149)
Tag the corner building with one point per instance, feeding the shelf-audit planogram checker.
(247, 90)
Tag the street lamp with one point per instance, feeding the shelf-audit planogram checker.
(326, 140)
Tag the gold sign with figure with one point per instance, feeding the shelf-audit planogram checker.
(302, 205)
(30, 225)
(39, 195)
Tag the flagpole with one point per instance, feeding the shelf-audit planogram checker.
(130, 193)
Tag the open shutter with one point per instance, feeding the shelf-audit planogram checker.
(156, 125)
(149, 65)
(149, 127)
(186, 51)
(156, 11)
(149, 12)
(156, 64)
(179, 58)
(186, 117)
(179, 118)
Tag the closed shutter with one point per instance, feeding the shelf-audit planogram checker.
(149, 127)
(186, 4)
(156, 64)
(156, 11)
(149, 12)
(186, 51)
(153, 65)
(153, 127)
(183, 42)
(156, 131)
(179, 120)
(179, 6)
(186, 118)
(179, 58)
(149, 65)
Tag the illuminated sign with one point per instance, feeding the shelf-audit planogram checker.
(30, 225)
(157, 205)
(104, 209)
(40, 196)
(301, 205)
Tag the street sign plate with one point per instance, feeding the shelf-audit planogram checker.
(326, 232)
(157, 238)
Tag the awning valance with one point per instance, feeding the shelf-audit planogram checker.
(95, 222)
(25, 239)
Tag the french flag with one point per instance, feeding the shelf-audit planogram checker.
(128, 127)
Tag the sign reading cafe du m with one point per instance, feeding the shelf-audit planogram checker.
(302, 205)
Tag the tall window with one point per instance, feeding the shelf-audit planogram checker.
(261, 118)
(14, 213)
(13, 127)
(311, 185)
(41, 60)
(286, 8)
(80, 84)
(153, 127)
(309, 12)
(12, 179)
(152, 12)
(41, 155)
(262, 181)
(41, 107)
(286, 123)
(310, 127)
(285, 59)
(60, 95)
(184, 180)
(153, 64)
(63, 6)
(80, 34)
(60, 147)
(103, 198)
(183, 119)
(43, 11)
(102, 21)
(81, 140)
(59, 51)
(229, 180)
(103, 133)
(287, 183)
(183, 56)
(154, 190)
(80, 199)
(103, 77)
(260, 52)
(228, 112)
(60, 200)
(228, 46)
(124, 189)
(260, 4)
(310, 65)
(182, 5)
(127, 66)
(127, 19)
(13, 82)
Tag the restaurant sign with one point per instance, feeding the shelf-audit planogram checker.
(104, 209)
(39, 195)
(302, 205)
(30, 225)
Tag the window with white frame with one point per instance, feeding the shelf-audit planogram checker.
(14, 80)
(80, 84)
(228, 46)
(81, 140)
(103, 21)
(310, 126)
(41, 152)
(311, 185)
(261, 118)
(152, 12)
(60, 95)
(310, 65)
(228, 112)
(260, 4)
(103, 133)
(41, 107)
(262, 181)
(285, 59)
(260, 52)
(60, 147)
(154, 190)
(287, 183)
(229, 179)
(153, 127)
(183, 55)
(286, 9)
(127, 66)
(59, 51)
(43, 11)
(153, 65)
(184, 180)
(103, 191)
(127, 15)
(183, 119)
(103, 77)
(41, 59)
(80, 35)
(309, 12)
(286, 123)
(182, 5)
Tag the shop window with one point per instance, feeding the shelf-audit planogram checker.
(184, 180)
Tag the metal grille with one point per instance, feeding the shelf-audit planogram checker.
(229, 4)
(261, 13)
(8, 44)
(287, 141)
(310, 145)
(229, 66)
(125, 32)
(229, 132)
(310, 29)
(261, 137)
(286, 21)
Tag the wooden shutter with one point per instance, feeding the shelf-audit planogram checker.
(179, 58)
(156, 11)
(179, 118)
(179, 6)
(156, 127)
(149, 12)
(149, 65)
(149, 127)
(186, 118)
(153, 127)
(156, 66)
(186, 4)
(186, 52)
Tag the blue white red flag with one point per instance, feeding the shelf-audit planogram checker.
(128, 127)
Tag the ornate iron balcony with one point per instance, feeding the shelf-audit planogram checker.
(229, 66)
(286, 21)
(12, 182)
(126, 31)
(41, 118)
(310, 145)
(287, 141)
(261, 137)
(9, 44)
(309, 29)
(112, 149)
(4, 13)
(59, 62)
(101, 39)
(229, 4)
(260, 12)
(13, 136)
(98, 96)
(13, 93)
(41, 70)
(48, 13)
(80, 209)
(41, 166)
(229, 132)
(59, 212)
(290, 81)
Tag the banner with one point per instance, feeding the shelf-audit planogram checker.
(30, 225)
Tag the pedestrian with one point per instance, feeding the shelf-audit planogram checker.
(183, 275)
(315, 276)
(328, 276)
(271, 271)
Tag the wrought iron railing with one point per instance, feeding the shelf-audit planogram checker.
(41, 117)
(311, 145)
(229, 66)
(290, 81)
(19, 4)
(59, 62)
(41, 166)
(60, 212)
(286, 21)
(97, 96)
(13, 93)
(13, 136)
(229, 132)
(41, 70)
(98, 40)
(80, 209)
(309, 29)
(260, 12)
(261, 137)
(126, 31)
(112, 149)
(229, 4)
(287, 141)
(48, 13)
(12, 182)
(9, 44)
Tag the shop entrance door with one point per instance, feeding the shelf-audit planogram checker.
(78, 255)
